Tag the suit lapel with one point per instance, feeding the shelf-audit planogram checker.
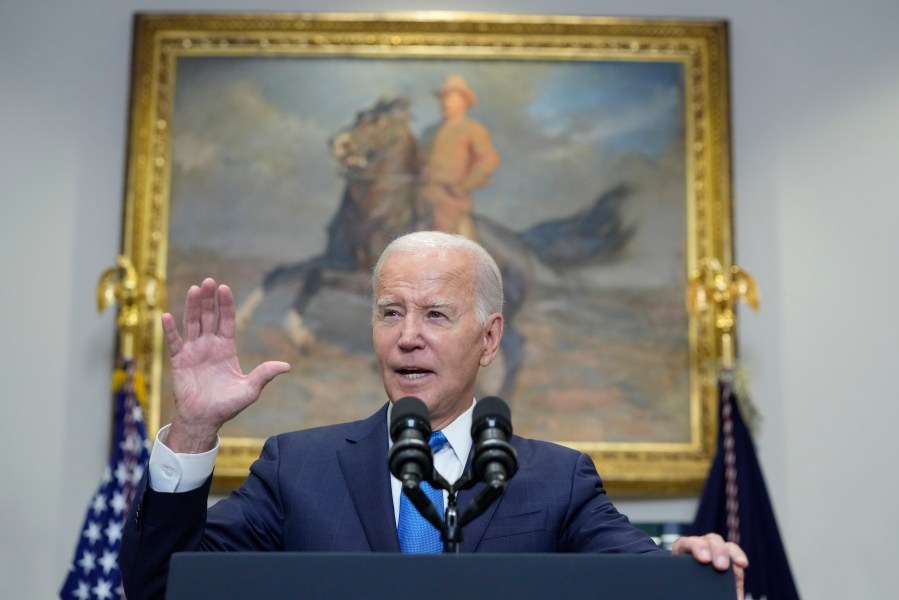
(474, 530)
(364, 466)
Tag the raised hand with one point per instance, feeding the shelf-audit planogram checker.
(209, 387)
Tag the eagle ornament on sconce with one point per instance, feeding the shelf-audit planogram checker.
(133, 293)
(713, 287)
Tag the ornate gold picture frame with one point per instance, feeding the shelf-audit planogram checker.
(612, 185)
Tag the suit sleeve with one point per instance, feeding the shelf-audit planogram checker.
(593, 524)
(160, 524)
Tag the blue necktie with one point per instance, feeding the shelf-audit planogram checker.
(417, 535)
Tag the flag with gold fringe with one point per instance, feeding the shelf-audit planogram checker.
(94, 573)
(735, 504)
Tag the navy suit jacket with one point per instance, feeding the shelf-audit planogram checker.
(328, 490)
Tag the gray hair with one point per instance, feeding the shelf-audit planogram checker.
(488, 280)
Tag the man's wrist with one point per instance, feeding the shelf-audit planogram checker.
(178, 472)
(185, 440)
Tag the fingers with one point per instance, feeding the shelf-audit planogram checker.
(191, 319)
(170, 332)
(207, 306)
(199, 309)
(264, 373)
(227, 318)
(737, 556)
(711, 548)
(718, 550)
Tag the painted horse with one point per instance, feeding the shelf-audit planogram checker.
(379, 160)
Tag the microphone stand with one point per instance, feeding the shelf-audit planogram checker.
(451, 526)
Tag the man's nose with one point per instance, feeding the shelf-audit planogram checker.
(410, 332)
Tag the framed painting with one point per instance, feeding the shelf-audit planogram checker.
(278, 153)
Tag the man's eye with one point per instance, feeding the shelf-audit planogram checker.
(435, 314)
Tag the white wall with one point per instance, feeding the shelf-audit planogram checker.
(815, 127)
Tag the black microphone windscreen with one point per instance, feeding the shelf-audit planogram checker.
(408, 407)
(491, 407)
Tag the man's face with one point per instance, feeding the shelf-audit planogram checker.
(426, 334)
(454, 104)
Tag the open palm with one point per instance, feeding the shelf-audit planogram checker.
(209, 387)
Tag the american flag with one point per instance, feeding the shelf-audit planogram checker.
(94, 574)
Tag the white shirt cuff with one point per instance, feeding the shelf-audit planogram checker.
(174, 472)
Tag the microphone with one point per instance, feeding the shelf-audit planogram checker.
(410, 457)
(494, 459)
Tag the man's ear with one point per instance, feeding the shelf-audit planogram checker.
(493, 333)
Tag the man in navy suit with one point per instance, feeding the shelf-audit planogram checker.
(437, 319)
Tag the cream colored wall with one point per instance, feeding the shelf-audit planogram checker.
(815, 122)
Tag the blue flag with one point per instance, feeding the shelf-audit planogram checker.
(94, 573)
(735, 504)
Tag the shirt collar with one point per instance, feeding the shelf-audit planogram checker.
(458, 434)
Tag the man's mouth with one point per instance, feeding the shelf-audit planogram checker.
(412, 373)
